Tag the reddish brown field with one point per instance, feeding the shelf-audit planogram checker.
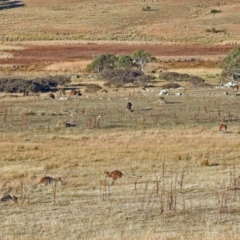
(35, 57)
(34, 54)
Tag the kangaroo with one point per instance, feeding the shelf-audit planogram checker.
(161, 100)
(129, 106)
(223, 128)
(48, 181)
(114, 175)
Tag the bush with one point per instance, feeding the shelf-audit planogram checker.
(35, 85)
(174, 76)
(198, 82)
(121, 77)
(92, 88)
(214, 30)
(171, 85)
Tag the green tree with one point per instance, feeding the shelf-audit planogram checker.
(141, 58)
(124, 62)
(103, 62)
(231, 63)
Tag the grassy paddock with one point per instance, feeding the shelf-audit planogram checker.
(189, 184)
(167, 21)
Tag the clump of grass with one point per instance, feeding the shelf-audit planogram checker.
(92, 88)
(146, 8)
(215, 11)
(170, 85)
(28, 112)
(204, 163)
(214, 30)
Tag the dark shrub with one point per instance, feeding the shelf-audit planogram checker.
(171, 85)
(174, 76)
(35, 85)
(92, 88)
(121, 77)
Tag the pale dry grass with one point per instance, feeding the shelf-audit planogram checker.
(79, 66)
(10, 47)
(175, 198)
(5, 55)
(169, 21)
(132, 207)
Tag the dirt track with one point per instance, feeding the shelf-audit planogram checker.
(36, 54)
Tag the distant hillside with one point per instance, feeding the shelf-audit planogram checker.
(188, 21)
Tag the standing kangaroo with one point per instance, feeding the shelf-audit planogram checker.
(223, 128)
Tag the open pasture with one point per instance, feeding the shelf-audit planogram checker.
(189, 185)
(170, 21)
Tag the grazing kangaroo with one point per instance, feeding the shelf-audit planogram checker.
(129, 106)
(8, 197)
(114, 175)
(223, 128)
(51, 96)
(117, 174)
(162, 100)
(49, 181)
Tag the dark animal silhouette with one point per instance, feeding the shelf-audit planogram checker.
(129, 106)
(51, 95)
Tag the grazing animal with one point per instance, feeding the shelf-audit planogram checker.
(129, 106)
(161, 100)
(49, 180)
(75, 93)
(235, 87)
(51, 95)
(223, 128)
(114, 175)
(7, 197)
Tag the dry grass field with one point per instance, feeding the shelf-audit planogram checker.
(189, 184)
(121, 20)
(180, 174)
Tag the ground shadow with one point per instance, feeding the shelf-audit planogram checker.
(8, 4)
